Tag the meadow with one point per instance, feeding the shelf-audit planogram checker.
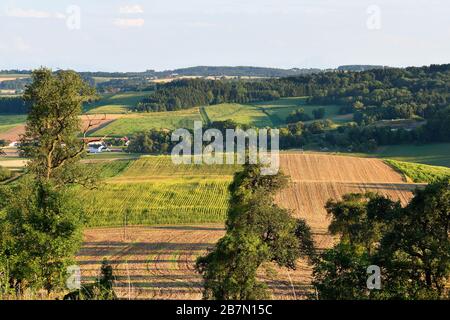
(116, 103)
(437, 154)
(9, 124)
(138, 122)
(272, 113)
(240, 113)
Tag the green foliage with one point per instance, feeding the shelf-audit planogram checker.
(230, 270)
(319, 113)
(13, 105)
(411, 245)
(153, 142)
(53, 124)
(415, 252)
(40, 220)
(420, 172)
(42, 234)
(258, 231)
(5, 174)
(340, 273)
(298, 115)
(100, 290)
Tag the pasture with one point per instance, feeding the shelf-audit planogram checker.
(116, 103)
(271, 113)
(240, 113)
(436, 154)
(134, 123)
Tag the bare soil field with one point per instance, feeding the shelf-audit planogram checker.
(13, 134)
(158, 262)
(316, 178)
(96, 122)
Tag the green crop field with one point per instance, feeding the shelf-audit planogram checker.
(116, 103)
(4, 128)
(6, 119)
(240, 113)
(8, 122)
(153, 190)
(435, 154)
(109, 169)
(154, 120)
(273, 113)
(420, 172)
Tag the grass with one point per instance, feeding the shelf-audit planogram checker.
(240, 113)
(420, 172)
(435, 154)
(279, 110)
(4, 128)
(273, 113)
(152, 190)
(116, 103)
(154, 120)
(7, 122)
(12, 119)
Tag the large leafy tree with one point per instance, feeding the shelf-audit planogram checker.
(258, 231)
(40, 220)
(52, 137)
(411, 245)
(415, 253)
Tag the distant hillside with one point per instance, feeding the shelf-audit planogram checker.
(359, 67)
(240, 71)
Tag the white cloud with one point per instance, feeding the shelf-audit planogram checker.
(31, 13)
(127, 23)
(27, 13)
(132, 9)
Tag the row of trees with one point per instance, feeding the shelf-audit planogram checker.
(380, 93)
(13, 105)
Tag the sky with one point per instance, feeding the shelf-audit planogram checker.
(120, 35)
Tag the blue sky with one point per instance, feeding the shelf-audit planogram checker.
(165, 34)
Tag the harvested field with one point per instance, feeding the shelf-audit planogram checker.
(158, 262)
(97, 122)
(13, 134)
(316, 178)
(324, 167)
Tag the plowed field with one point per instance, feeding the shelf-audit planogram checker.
(158, 262)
